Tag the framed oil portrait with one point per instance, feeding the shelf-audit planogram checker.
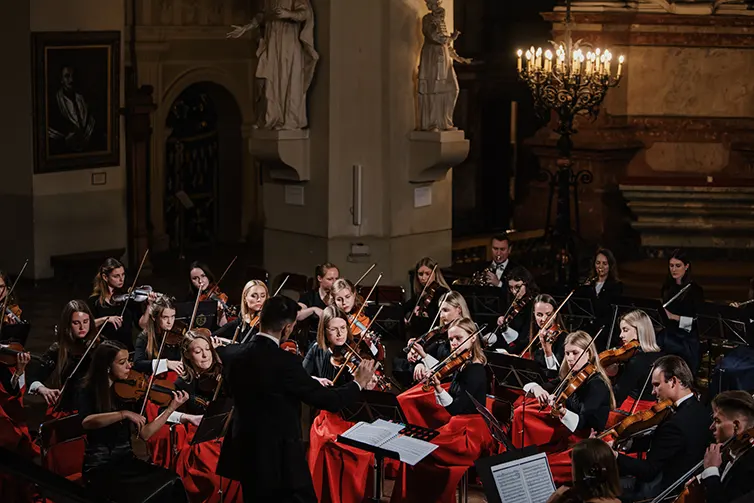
(76, 79)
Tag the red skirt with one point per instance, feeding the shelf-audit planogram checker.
(166, 442)
(421, 409)
(196, 465)
(463, 440)
(340, 473)
(14, 436)
(627, 405)
(538, 427)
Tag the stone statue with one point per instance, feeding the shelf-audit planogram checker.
(438, 85)
(286, 61)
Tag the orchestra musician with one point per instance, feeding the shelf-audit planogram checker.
(681, 335)
(550, 345)
(595, 475)
(263, 448)
(345, 297)
(108, 281)
(196, 464)
(253, 297)
(500, 246)
(727, 477)
(678, 442)
(603, 288)
(12, 311)
(321, 361)
(314, 301)
(562, 420)
(631, 384)
(465, 436)
(512, 335)
(428, 288)
(110, 468)
(202, 279)
(75, 332)
(161, 322)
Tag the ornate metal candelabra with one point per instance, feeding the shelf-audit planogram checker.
(570, 79)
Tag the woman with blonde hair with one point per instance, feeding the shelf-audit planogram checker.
(253, 297)
(555, 424)
(633, 383)
(463, 437)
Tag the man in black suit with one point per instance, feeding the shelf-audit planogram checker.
(727, 479)
(678, 443)
(264, 448)
(494, 273)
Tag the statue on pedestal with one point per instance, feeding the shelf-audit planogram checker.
(438, 85)
(286, 62)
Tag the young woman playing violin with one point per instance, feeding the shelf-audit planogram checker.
(345, 297)
(314, 301)
(550, 344)
(512, 332)
(595, 475)
(12, 313)
(161, 322)
(428, 288)
(340, 473)
(201, 278)
(464, 436)
(196, 464)
(582, 405)
(109, 281)
(110, 468)
(253, 297)
(639, 351)
(75, 331)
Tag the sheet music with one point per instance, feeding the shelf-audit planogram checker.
(525, 480)
(370, 434)
(394, 427)
(410, 450)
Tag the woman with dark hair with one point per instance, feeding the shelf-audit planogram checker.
(110, 468)
(109, 281)
(428, 279)
(595, 475)
(550, 345)
(202, 279)
(681, 335)
(603, 288)
(512, 333)
(74, 331)
(10, 316)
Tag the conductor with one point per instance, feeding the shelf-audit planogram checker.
(263, 448)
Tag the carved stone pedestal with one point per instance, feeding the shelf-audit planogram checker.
(434, 153)
(286, 153)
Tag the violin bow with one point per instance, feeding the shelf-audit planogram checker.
(643, 388)
(355, 318)
(348, 347)
(420, 339)
(154, 372)
(76, 368)
(548, 323)
(364, 275)
(9, 292)
(196, 308)
(133, 285)
(452, 354)
(217, 283)
(571, 371)
(419, 299)
(518, 297)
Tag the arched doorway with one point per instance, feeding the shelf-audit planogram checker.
(203, 168)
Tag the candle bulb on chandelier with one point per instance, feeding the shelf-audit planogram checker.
(548, 61)
(519, 53)
(621, 59)
(538, 62)
(589, 58)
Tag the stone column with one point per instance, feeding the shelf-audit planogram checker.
(362, 114)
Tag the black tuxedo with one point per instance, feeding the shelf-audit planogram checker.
(263, 448)
(737, 482)
(676, 446)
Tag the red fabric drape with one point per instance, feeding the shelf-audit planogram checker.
(463, 440)
(165, 444)
(421, 409)
(14, 436)
(196, 465)
(341, 474)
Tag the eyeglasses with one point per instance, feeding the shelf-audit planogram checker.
(335, 330)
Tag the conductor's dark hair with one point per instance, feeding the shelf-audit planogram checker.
(278, 312)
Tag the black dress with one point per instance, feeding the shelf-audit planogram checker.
(602, 302)
(143, 363)
(421, 323)
(112, 471)
(317, 363)
(676, 340)
(42, 372)
(633, 377)
(471, 378)
(558, 351)
(131, 317)
(591, 402)
(521, 323)
(229, 329)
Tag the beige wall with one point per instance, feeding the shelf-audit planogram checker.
(70, 214)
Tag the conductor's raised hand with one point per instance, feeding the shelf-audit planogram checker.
(364, 373)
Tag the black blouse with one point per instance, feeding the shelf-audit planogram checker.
(633, 377)
(42, 372)
(558, 350)
(472, 378)
(143, 363)
(421, 323)
(686, 305)
(111, 443)
(312, 299)
(520, 323)
(591, 402)
(229, 329)
(131, 317)
(317, 364)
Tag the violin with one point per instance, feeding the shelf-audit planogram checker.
(516, 307)
(366, 338)
(134, 387)
(640, 422)
(619, 355)
(291, 347)
(138, 295)
(429, 294)
(447, 368)
(381, 383)
(425, 338)
(571, 386)
(13, 314)
(10, 350)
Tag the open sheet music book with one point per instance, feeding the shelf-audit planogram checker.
(524, 480)
(386, 435)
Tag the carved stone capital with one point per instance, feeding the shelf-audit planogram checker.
(434, 153)
(286, 153)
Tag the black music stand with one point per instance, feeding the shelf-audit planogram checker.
(722, 323)
(577, 313)
(496, 430)
(206, 313)
(390, 321)
(513, 371)
(485, 467)
(486, 303)
(623, 305)
(214, 420)
(16, 333)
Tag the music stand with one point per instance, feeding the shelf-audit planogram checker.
(578, 312)
(486, 303)
(720, 322)
(390, 321)
(214, 420)
(623, 305)
(496, 430)
(206, 313)
(513, 371)
(486, 466)
(16, 333)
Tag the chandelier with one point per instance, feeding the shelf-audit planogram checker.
(570, 79)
